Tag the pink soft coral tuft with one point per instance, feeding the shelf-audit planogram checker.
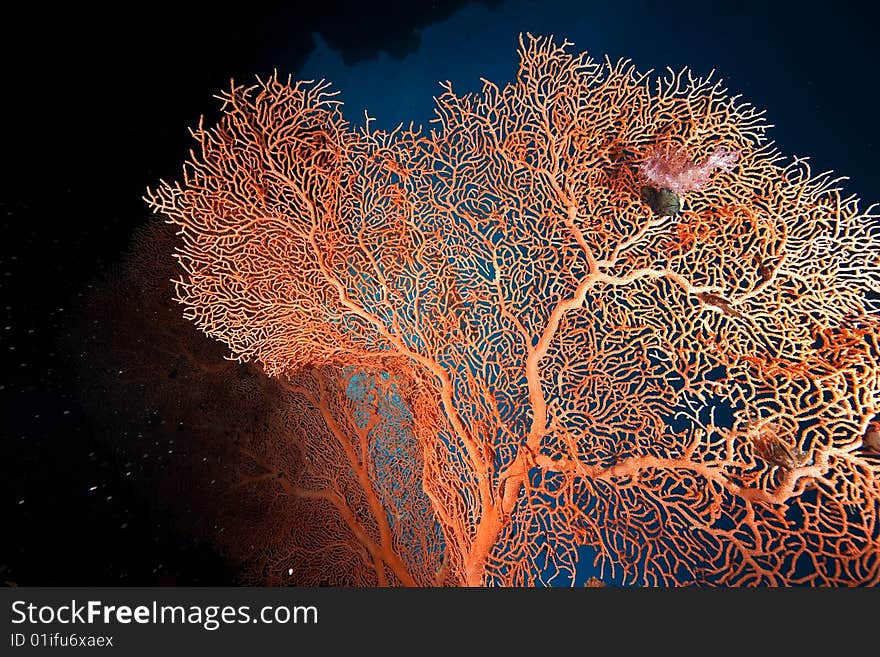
(675, 171)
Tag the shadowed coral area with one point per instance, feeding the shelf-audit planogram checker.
(677, 397)
(307, 480)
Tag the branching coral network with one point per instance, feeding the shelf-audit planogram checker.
(633, 340)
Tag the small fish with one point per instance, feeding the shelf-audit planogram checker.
(774, 450)
(719, 302)
(763, 270)
(663, 202)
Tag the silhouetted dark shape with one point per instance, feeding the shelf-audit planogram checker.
(313, 480)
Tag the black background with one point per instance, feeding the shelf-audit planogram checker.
(95, 106)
